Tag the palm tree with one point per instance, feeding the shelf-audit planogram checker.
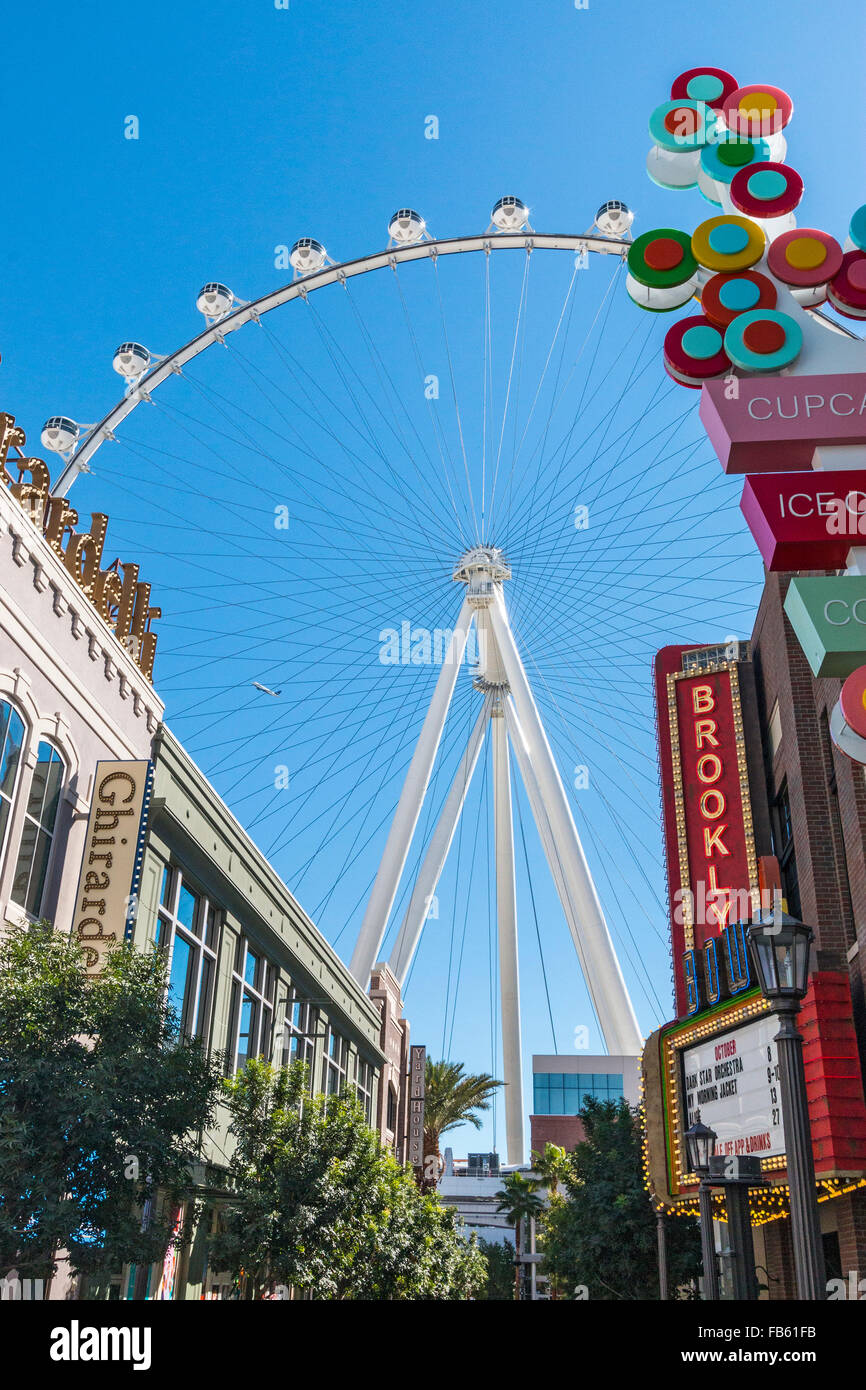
(452, 1099)
(520, 1202)
(551, 1166)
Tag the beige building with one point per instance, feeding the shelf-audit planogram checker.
(70, 694)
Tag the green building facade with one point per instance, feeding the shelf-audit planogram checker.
(248, 972)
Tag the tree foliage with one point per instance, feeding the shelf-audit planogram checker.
(452, 1098)
(551, 1165)
(519, 1200)
(601, 1235)
(500, 1271)
(318, 1204)
(100, 1101)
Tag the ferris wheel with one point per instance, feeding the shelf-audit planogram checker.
(440, 503)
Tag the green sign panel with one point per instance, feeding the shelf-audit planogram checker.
(828, 614)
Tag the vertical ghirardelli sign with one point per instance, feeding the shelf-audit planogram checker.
(111, 867)
(417, 1074)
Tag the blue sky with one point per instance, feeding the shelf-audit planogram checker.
(257, 126)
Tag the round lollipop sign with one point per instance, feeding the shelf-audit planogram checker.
(853, 701)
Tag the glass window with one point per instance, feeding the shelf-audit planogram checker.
(334, 1062)
(187, 905)
(364, 1087)
(252, 1016)
(191, 961)
(783, 844)
(37, 835)
(165, 891)
(182, 959)
(301, 1025)
(11, 741)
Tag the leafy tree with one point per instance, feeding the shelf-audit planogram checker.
(520, 1202)
(318, 1204)
(452, 1099)
(100, 1101)
(500, 1271)
(602, 1233)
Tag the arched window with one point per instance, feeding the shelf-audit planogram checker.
(37, 836)
(11, 741)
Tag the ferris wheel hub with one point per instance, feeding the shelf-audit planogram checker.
(481, 568)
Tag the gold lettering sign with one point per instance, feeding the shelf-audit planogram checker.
(121, 600)
(105, 905)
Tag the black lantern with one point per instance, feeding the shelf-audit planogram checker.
(702, 1142)
(780, 947)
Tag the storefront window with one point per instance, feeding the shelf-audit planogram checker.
(334, 1062)
(11, 740)
(299, 1042)
(364, 1087)
(37, 836)
(188, 933)
(252, 1014)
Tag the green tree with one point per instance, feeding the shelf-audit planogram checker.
(520, 1202)
(100, 1101)
(500, 1271)
(318, 1204)
(452, 1099)
(602, 1234)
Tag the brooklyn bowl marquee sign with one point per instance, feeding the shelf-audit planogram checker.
(722, 1064)
(712, 865)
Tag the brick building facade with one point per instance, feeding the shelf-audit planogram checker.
(817, 800)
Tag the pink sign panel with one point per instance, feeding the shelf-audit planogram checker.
(806, 521)
(774, 424)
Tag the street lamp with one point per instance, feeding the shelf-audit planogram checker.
(701, 1141)
(780, 946)
(736, 1175)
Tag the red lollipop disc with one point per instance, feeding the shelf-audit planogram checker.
(744, 200)
(846, 284)
(664, 254)
(711, 85)
(764, 335)
(712, 296)
(853, 701)
(687, 369)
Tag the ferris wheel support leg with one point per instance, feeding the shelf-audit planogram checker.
(539, 815)
(387, 880)
(506, 921)
(434, 861)
(585, 917)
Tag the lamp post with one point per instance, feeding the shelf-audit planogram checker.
(661, 1235)
(736, 1176)
(701, 1141)
(780, 946)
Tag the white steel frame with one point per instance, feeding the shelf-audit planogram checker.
(218, 329)
(511, 710)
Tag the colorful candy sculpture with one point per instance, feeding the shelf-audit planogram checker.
(758, 280)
